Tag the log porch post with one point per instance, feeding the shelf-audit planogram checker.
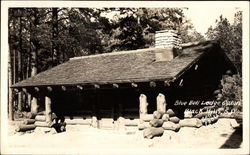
(19, 104)
(48, 110)
(143, 105)
(161, 103)
(34, 105)
(11, 104)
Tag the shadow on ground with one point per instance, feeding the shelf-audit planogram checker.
(235, 140)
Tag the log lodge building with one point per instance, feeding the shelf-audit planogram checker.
(114, 85)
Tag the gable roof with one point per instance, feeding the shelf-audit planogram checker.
(119, 67)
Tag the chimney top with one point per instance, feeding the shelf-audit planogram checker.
(167, 38)
(169, 42)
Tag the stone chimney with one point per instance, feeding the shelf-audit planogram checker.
(168, 43)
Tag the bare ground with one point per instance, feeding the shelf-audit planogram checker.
(222, 134)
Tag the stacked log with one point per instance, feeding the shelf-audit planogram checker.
(40, 118)
(23, 128)
(24, 115)
(156, 122)
(174, 119)
(157, 115)
(166, 121)
(29, 121)
(26, 125)
(157, 119)
(43, 124)
(53, 126)
(192, 122)
(171, 126)
(153, 132)
(170, 112)
(159, 123)
(165, 117)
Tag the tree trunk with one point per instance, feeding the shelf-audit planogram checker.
(28, 66)
(14, 66)
(55, 49)
(11, 116)
(33, 59)
(34, 41)
(20, 106)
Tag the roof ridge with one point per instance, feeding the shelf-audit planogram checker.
(183, 45)
(113, 53)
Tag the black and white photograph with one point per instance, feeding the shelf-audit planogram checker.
(115, 77)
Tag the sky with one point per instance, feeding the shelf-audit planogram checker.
(203, 17)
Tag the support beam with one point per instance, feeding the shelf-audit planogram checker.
(161, 103)
(64, 88)
(115, 85)
(24, 90)
(152, 84)
(48, 110)
(37, 89)
(134, 85)
(196, 67)
(79, 87)
(96, 86)
(167, 83)
(16, 90)
(49, 89)
(181, 83)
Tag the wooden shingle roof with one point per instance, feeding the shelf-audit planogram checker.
(119, 67)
